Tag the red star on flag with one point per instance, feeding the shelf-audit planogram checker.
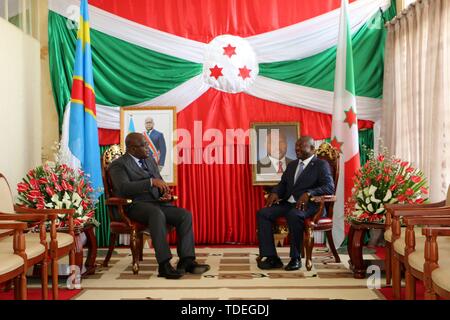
(216, 72)
(336, 144)
(350, 117)
(244, 72)
(229, 50)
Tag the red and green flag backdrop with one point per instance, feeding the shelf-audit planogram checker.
(226, 64)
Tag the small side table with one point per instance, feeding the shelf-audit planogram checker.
(91, 244)
(355, 248)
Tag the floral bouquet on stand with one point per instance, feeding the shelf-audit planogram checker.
(382, 180)
(57, 186)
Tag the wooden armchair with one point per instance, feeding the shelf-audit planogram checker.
(117, 210)
(437, 263)
(320, 222)
(36, 252)
(394, 233)
(59, 244)
(13, 259)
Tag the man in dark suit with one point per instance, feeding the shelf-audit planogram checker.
(156, 142)
(276, 160)
(135, 175)
(305, 177)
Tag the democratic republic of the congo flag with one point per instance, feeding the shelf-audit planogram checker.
(83, 133)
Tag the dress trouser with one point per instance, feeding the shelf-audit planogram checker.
(295, 220)
(157, 217)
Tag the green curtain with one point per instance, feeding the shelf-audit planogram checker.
(125, 74)
(318, 71)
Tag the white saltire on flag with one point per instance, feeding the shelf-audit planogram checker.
(345, 124)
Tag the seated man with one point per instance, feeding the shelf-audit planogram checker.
(135, 175)
(306, 177)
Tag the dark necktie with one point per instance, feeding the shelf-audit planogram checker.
(143, 164)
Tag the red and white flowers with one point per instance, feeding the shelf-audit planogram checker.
(57, 186)
(384, 180)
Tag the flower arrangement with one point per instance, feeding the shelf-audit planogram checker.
(382, 180)
(57, 186)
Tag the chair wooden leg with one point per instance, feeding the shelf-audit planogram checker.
(112, 244)
(387, 263)
(410, 285)
(396, 277)
(17, 288)
(44, 279)
(23, 285)
(337, 259)
(54, 267)
(134, 251)
(8, 285)
(141, 247)
(309, 242)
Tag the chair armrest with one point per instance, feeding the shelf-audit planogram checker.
(115, 201)
(13, 225)
(425, 220)
(437, 211)
(407, 206)
(48, 212)
(23, 217)
(391, 208)
(325, 198)
(417, 212)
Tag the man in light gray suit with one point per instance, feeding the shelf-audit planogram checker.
(135, 175)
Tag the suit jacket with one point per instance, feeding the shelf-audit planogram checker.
(131, 181)
(160, 144)
(316, 179)
(265, 165)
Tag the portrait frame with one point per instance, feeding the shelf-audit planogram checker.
(165, 123)
(263, 175)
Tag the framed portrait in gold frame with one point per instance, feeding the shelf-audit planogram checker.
(158, 125)
(272, 147)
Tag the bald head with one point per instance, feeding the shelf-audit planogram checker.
(136, 145)
(304, 147)
(149, 123)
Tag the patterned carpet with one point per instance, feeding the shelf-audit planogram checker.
(233, 275)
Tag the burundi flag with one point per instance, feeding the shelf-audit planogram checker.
(80, 127)
(345, 123)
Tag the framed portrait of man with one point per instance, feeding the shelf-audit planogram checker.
(157, 125)
(272, 147)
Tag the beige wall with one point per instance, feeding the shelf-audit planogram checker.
(50, 133)
(20, 103)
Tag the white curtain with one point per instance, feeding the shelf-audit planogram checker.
(416, 103)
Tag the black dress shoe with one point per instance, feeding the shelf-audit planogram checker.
(165, 270)
(191, 266)
(270, 263)
(294, 264)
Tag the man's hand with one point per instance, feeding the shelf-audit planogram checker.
(166, 197)
(272, 199)
(302, 202)
(161, 185)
